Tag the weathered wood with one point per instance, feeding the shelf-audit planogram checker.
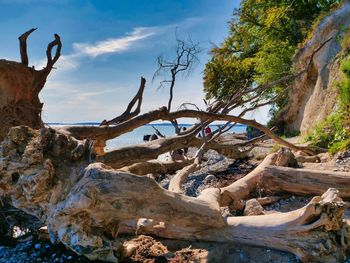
(271, 177)
(156, 167)
(177, 181)
(303, 181)
(128, 113)
(85, 206)
(128, 155)
(314, 233)
(106, 133)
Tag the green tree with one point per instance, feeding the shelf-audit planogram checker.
(262, 40)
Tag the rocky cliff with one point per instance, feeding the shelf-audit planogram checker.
(314, 95)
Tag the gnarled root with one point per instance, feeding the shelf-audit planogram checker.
(85, 206)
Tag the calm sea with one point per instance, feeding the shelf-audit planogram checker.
(136, 136)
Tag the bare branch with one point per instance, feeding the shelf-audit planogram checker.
(127, 114)
(158, 132)
(183, 105)
(51, 61)
(186, 55)
(23, 46)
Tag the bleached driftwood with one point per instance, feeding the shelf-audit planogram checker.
(85, 206)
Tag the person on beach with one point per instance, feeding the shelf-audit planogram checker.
(185, 150)
(249, 130)
(207, 132)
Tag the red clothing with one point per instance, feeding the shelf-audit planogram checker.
(207, 131)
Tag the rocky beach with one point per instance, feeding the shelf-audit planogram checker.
(217, 171)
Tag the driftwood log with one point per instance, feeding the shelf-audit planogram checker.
(85, 206)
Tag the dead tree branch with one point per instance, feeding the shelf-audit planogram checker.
(127, 114)
(51, 61)
(23, 46)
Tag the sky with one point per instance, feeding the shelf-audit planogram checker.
(108, 45)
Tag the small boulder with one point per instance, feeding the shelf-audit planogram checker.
(210, 178)
(253, 208)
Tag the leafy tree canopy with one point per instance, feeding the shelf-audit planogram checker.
(262, 40)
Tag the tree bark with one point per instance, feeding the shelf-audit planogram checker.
(156, 167)
(271, 177)
(128, 155)
(47, 174)
(106, 133)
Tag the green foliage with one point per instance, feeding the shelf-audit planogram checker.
(291, 134)
(339, 146)
(275, 148)
(344, 86)
(329, 132)
(263, 37)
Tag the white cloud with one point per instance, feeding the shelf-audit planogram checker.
(124, 43)
(108, 46)
(115, 45)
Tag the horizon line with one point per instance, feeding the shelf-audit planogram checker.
(148, 124)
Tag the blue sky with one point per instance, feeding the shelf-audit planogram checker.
(108, 45)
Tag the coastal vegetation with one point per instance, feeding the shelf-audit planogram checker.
(259, 49)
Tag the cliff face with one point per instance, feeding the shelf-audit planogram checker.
(314, 95)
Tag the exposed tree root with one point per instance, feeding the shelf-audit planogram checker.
(86, 205)
(20, 87)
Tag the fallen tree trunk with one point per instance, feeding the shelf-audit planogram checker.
(128, 155)
(86, 205)
(303, 181)
(270, 176)
(314, 233)
(104, 133)
(156, 167)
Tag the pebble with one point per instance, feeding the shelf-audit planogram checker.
(210, 178)
(342, 161)
(28, 252)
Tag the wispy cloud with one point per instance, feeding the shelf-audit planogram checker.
(115, 45)
(108, 46)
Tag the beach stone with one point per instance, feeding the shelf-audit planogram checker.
(253, 207)
(210, 178)
(286, 158)
(37, 246)
(324, 157)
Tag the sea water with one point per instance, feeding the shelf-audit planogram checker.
(136, 136)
